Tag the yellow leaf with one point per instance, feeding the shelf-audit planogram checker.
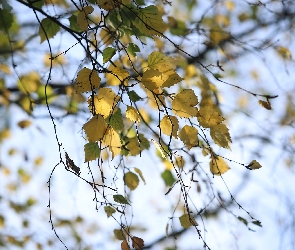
(132, 114)
(284, 52)
(82, 22)
(136, 145)
(137, 243)
(209, 117)
(184, 104)
(179, 161)
(117, 76)
(152, 79)
(265, 104)
(87, 80)
(187, 220)
(169, 125)
(220, 135)
(112, 140)
(95, 128)
(218, 166)
(131, 180)
(173, 78)
(104, 102)
(161, 62)
(189, 136)
(24, 123)
(254, 165)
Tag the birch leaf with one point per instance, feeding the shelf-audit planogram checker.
(95, 128)
(221, 136)
(82, 21)
(184, 104)
(189, 136)
(169, 125)
(209, 117)
(87, 80)
(218, 166)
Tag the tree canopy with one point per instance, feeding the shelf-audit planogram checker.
(132, 102)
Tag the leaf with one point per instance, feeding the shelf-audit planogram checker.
(73, 23)
(104, 102)
(160, 148)
(149, 21)
(109, 210)
(119, 234)
(82, 20)
(117, 77)
(184, 104)
(137, 243)
(221, 136)
(169, 125)
(112, 140)
(120, 199)
(132, 49)
(132, 114)
(108, 53)
(218, 166)
(265, 104)
(92, 151)
(257, 223)
(87, 80)
(24, 124)
(189, 136)
(168, 178)
(124, 245)
(134, 97)
(108, 4)
(209, 117)
(95, 128)
(186, 221)
(49, 28)
(243, 220)
(137, 170)
(161, 62)
(6, 19)
(115, 120)
(254, 165)
(131, 180)
(173, 78)
(136, 145)
(284, 52)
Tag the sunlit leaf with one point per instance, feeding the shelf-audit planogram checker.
(119, 234)
(112, 140)
(132, 49)
(117, 77)
(95, 128)
(184, 104)
(87, 80)
(169, 125)
(132, 114)
(48, 29)
(104, 102)
(131, 180)
(189, 136)
(209, 117)
(109, 210)
(220, 135)
(218, 166)
(161, 62)
(120, 199)
(92, 151)
(136, 145)
(186, 221)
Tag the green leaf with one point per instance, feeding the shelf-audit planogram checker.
(92, 151)
(38, 4)
(134, 97)
(131, 180)
(51, 28)
(119, 234)
(132, 49)
(6, 19)
(186, 221)
(257, 223)
(243, 220)
(73, 23)
(108, 53)
(120, 199)
(168, 177)
(116, 121)
(137, 170)
(109, 210)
